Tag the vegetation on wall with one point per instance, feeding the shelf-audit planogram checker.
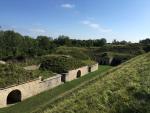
(12, 74)
(60, 64)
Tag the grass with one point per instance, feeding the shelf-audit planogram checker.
(44, 100)
(125, 89)
(12, 74)
(89, 62)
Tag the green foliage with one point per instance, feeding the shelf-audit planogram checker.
(11, 74)
(133, 49)
(60, 64)
(76, 52)
(14, 45)
(124, 90)
(111, 58)
(38, 103)
(146, 48)
(116, 54)
(145, 41)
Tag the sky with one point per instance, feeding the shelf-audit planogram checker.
(80, 19)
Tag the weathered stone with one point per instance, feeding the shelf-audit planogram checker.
(31, 88)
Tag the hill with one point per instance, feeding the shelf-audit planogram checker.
(125, 89)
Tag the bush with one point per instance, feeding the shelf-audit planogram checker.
(60, 64)
(78, 53)
(146, 48)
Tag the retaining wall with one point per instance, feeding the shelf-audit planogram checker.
(30, 88)
(94, 67)
(37, 86)
(72, 74)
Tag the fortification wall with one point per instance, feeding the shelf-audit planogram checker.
(30, 88)
(72, 74)
(50, 83)
(37, 86)
(94, 67)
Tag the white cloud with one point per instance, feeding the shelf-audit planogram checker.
(86, 22)
(67, 5)
(95, 26)
(35, 30)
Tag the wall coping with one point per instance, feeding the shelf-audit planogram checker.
(51, 78)
(82, 67)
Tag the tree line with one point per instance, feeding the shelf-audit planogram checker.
(13, 44)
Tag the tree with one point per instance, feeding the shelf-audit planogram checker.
(145, 41)
(63, 40)
(12, 43)
(100, 42)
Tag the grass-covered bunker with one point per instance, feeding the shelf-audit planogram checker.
(69, 67)
(17, 83)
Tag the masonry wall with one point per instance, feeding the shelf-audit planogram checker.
(30, 88)
(72, 74)
(37, 86)
(94, 67)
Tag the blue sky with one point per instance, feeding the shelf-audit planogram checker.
(81, 19)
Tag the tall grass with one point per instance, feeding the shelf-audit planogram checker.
(125, 90)
(45, 99)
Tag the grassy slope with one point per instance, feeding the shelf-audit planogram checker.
(125, 90)
(45, 99)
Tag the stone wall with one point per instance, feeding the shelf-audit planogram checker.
(72, 74)
(37, 86)
(93, 67)
(30, 88)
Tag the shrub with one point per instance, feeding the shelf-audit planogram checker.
(78, 53)
(60, 64)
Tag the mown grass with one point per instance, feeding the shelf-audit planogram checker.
(44, 100)
(126, 89)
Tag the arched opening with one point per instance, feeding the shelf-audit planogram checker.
(78, 74)
(14, 97)
(89, 69)
(63, 78)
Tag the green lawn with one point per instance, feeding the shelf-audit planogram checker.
(44, 100)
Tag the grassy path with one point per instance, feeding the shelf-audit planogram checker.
(46, 98)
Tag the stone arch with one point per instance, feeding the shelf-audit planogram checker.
(78, 73)
(63, 78)
(14, 97)
(89, 69)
